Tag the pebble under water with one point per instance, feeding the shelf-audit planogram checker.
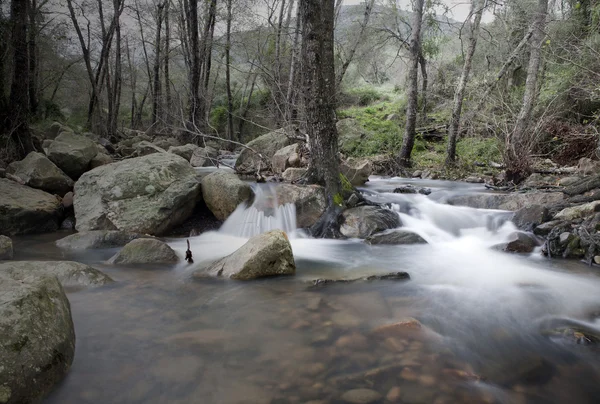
(473, 325)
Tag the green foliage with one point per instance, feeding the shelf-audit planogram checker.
(218, 118)
(362, 96)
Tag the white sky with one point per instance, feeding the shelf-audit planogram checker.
(459, 8)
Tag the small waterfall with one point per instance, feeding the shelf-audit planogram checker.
(265, 214)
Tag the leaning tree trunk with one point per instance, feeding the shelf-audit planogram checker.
(518, 143)
(413, 85)
(20, 136)
(477, 7)
(318, 85)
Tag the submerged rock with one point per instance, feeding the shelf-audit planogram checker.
(392, 276)
(68, 273)
(529, 217)
(37, 338)
(6, 248)
(409, 189)
(145, 251)
(364, 221)
(361, 396)
(268, 254)
(223, 192)
(37, 171)
(396, 237)
(150, 194)
(522, 243)
(25, 210)
(94, 239)
(267, 145)
(72, 153)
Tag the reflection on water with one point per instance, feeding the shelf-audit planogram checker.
(158, 336)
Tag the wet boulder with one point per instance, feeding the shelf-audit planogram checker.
(68, 273)
(364, 221)
(223, 192)
(204, 157)
(265, 255)
(6, 248)
(185, 151)
(522, 243)
(285, 158)
(37, 338)
(150, 195)
(309, 201)
(356, 171)
(145, 251)
(95, 239)
(72, 153)
(396, 237)
(578, 212)
(529, 217)
(25, 210)
(37, 171)
(510, 202)
(267, 145)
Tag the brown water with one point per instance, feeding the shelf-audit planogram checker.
(159, 336)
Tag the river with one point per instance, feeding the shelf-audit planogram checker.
(159, 336)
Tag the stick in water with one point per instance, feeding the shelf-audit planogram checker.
(188, 254)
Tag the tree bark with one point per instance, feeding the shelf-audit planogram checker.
(33, 58)
(318, 82)
(19, 91)
(477, 7)
(3, 60)
(408, 140)
(156, 95)
(424, 86)
(230, 132)
(518, 143)
(167, 83)
(291, 110)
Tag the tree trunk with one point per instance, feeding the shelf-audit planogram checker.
(230, 133)
(113, 116)
(424, 86)
(3, 60)
(19, 91)
(245, 108)
(195, 101)
(167, 85)
(33, 58)
(291, 110)
(318, 85)
(477, 7)
(133, 82)
(408, 140)
(368, 10)
(156, 95)
(518, 143)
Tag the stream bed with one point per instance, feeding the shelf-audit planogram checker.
(472, 325)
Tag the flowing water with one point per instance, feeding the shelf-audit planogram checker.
(159, 336)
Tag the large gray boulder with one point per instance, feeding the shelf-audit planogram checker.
(6, 248)
(309, 201)
(72, 153)
(512, 202)
(364, 221)
(68, 273)
(267, 145)
(268, 254)
(37, 171)
(223, 192)
(529, 217)
(25, 210)
(56, 129)
(96, 239)
(37, 338)
(578, 212)
(286, 157)
(185, 151)
(145, 251)
(204, 157)
(145, 148)
(149, 195)
(356, 171)
(101, 159)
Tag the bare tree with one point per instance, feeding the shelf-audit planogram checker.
(477, 7)
(518, 143)
(157, 93)
(408, 140)
(363, 25)
(318, 88)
